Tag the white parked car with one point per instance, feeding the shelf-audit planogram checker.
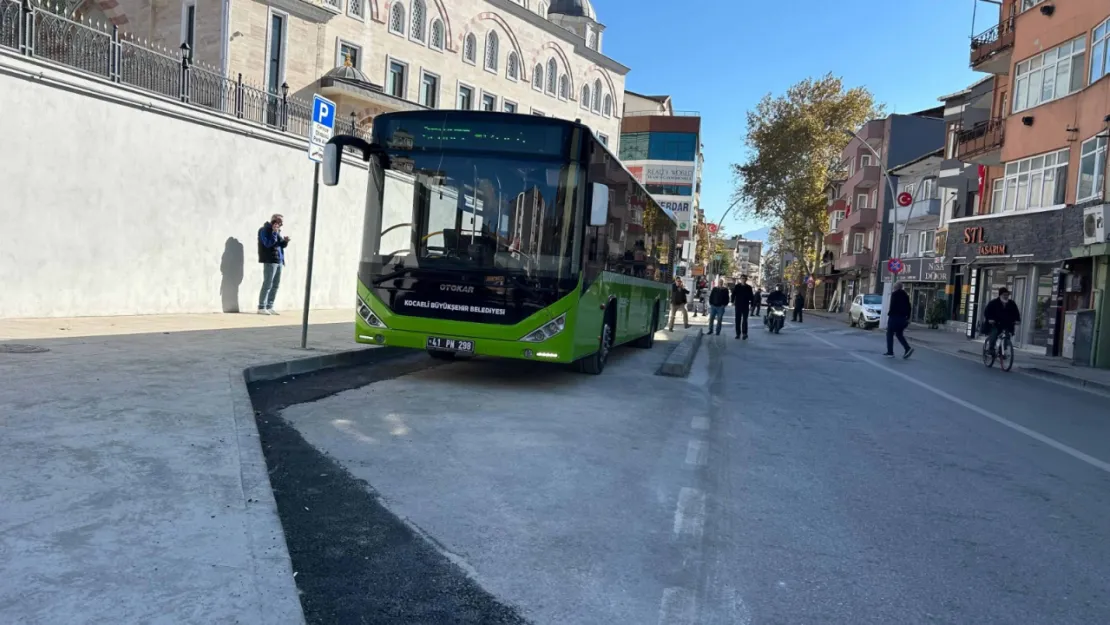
(865, 311)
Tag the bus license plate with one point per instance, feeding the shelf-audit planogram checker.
(450, 345)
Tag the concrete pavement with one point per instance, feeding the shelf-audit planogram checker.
(796, 478)
(133, 485)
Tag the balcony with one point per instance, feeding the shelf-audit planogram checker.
(982, 143)
(992, 50)
(862, 260)
(834, 238)
(859, 218)
(865, 178)
(837, 205)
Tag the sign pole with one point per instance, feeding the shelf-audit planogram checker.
(311, 254)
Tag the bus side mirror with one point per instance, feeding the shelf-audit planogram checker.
(333, 157)
(687, 250)
(599, 206)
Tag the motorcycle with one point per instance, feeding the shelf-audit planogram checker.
(775, 318)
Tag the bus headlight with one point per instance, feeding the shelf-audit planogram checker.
(368, 315)
(547, 330)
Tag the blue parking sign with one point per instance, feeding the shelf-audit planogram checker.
(323, 111)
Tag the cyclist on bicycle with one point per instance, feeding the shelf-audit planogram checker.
(1002, 314)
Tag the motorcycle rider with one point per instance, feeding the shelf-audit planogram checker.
(775, 298)
(1001, 314)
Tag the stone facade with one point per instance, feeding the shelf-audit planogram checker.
(380, 31)
(1038, 237)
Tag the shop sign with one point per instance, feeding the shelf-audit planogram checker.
(934, 270)
(976, 236)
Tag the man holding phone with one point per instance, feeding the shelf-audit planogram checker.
(271, 253)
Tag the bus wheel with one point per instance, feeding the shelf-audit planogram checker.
(594, 364)
(647, 341)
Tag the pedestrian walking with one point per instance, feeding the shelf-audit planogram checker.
(897, 320)
(271, 253)
(718, 302)
(757, 302)
(678, 303)
(799, 303)
(743, 299)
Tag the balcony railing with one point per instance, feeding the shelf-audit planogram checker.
(662, 114)
(994, 40)
(980, 139)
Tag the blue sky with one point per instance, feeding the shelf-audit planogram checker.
(721, 61)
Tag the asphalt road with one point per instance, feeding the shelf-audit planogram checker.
(799, 478)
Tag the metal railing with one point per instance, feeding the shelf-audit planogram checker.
(662, 114)
(992, 40)
(52, 34)
(982, 137)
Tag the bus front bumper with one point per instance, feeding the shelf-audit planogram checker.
(556, 349)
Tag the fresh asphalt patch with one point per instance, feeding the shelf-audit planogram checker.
(354, 561)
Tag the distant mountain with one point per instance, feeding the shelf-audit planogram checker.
(758, 235)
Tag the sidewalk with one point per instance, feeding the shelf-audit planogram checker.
(133, 484)
(957, 344)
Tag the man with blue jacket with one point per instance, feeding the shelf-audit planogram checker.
(271, 253)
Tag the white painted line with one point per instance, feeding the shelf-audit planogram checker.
(677, 607)
(697, 453)
(689, 514)
(1051, 442)
(699, 423)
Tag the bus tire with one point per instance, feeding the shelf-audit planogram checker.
(647, 341)
(594, 364)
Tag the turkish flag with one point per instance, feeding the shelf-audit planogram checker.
(982, 178)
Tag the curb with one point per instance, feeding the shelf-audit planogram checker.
(1064, 378)
(681, 359)
(280, 602)
(311, 364)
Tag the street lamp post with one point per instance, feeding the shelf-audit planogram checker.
(716, 264)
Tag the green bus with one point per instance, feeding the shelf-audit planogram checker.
(513, 236)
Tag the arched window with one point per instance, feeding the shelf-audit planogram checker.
(419, 11)
(552, 75)
(542, 9)
(596, 105)
(607, 108)
(585, 99)
(397, 18)
(537, 77)
(437, 34)
(564, 87)
(512, 66)
(491, 51)
(470, 48)
(591, 41)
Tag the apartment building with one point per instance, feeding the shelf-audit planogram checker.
(372, 56)
(916, 226)
(747, 257)
(662, 148)
(861, 195)
(1039, 224)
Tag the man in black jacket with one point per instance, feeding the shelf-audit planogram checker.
(799, 303)
(271, 253)
(1002, 314)
(678, 302)
(743, 299)
(718, 301)
(898, 319)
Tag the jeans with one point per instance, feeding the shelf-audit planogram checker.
(895, 326)
(995, 332)
(742, 320)
(718, 313)
(271, 280)
(685, 316)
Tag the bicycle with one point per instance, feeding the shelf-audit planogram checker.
(1004, 351)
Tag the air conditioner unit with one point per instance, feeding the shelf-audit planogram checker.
(1094, 224)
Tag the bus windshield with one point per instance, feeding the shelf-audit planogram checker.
(458, 210)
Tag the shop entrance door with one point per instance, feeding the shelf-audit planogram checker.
(1020, 294)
